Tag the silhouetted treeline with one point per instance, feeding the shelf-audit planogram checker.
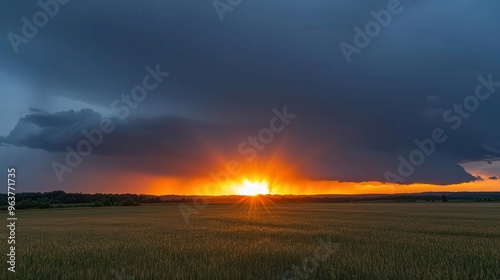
(63, 199)
(421, 197)
(56, 199)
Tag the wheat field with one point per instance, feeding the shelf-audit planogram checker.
(275, 241)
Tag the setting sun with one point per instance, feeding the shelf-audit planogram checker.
(252, 188)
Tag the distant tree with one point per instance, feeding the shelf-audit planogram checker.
(444, 198)
(44, 205)
(129, 202)
(106, 202)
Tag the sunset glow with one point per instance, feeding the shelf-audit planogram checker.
(252, 188)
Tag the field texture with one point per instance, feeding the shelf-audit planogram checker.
(279, 241)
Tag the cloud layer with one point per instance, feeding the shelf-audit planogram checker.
(353, 120)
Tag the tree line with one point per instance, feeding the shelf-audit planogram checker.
(57, 199)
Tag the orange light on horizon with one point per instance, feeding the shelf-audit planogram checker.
(252, 188)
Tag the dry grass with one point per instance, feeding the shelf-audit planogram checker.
(377, 241)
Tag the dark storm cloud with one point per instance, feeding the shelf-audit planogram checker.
(166, 135)
(183, 145)
(353, 119)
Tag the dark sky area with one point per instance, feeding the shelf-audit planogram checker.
(352, 120)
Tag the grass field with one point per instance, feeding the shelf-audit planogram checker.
(365, 241)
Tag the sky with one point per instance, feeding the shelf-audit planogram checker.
(192, 97)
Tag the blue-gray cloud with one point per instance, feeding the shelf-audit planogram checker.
(354, 119)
